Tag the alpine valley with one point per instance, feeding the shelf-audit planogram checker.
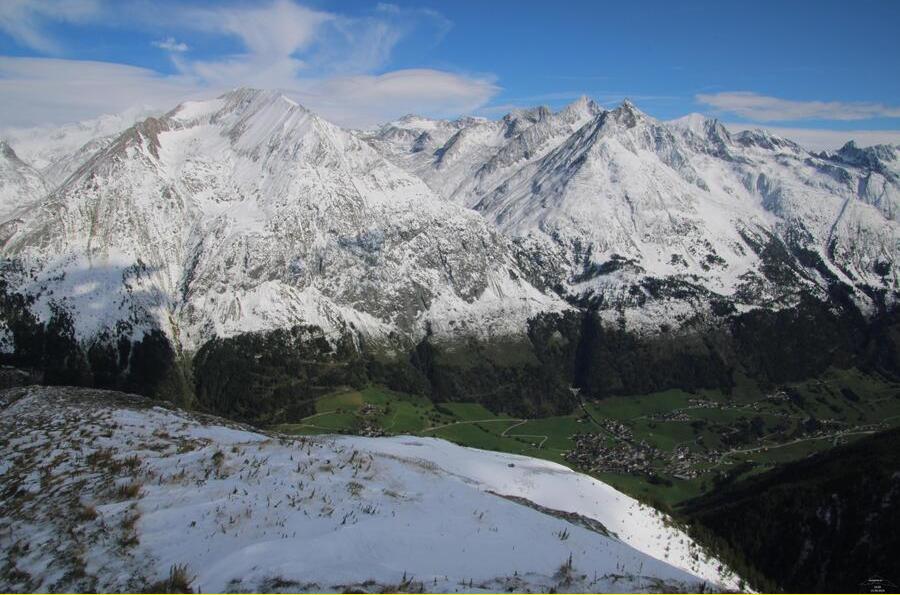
(660, 304)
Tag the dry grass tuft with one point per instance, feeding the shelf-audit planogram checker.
(129, 491)
(87, 513)
(178, 581)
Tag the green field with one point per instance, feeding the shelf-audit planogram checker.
(726, 435)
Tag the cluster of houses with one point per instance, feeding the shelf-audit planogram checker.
(368, 424)
(596, 453)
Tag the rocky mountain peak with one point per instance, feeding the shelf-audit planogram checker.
(628, 114)
(875, 157)
(236, 105)
(582, 109)
(519, 119)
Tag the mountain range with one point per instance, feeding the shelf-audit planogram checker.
(489, 246)
(248, 212)
(608, 204)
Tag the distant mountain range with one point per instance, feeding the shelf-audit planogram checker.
(609, 204)
(248, 212)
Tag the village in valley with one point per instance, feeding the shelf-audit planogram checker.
(614, 449)
(668, 446)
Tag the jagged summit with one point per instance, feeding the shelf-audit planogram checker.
(704, 134)
(580, 110)
(239, 101)
(763, 139)
(474, 154)
(628, 114)
(877, 157)
(583, 104)
(693, 122)
(519, 119)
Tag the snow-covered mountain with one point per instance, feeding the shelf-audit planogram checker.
(249, 212)
(105, 492)
(655, 221)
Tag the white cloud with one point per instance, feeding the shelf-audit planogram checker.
(773, 109)
(328, 62)
(825, 140)
(276, 30)
(170, 44)
(37, 91)
(24, 20)
(284, 37)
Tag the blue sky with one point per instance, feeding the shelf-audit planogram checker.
(820, 68)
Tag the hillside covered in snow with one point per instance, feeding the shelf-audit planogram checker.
(104, 491)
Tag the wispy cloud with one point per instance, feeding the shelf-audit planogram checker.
(170, 44)
(37, 91)
(275, 30)
(336, 64)
(25, 20)
(763, 108)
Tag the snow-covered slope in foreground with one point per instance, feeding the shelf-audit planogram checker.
(106, 492)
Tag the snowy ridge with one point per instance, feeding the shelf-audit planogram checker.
(248, 212)
(112, 492)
